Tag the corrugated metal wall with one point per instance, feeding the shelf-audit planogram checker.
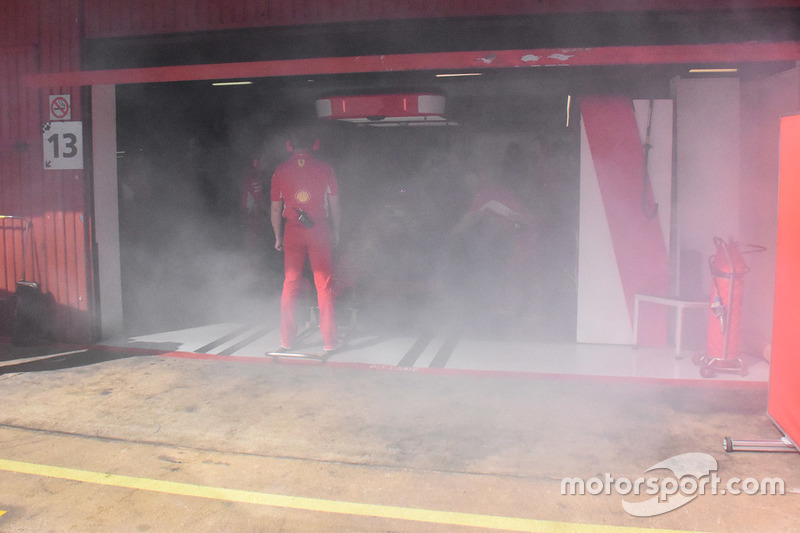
(41, 37)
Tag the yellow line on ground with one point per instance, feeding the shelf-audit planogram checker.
(12, 362)
(316, 504)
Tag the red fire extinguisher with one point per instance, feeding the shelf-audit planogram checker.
(725, 316)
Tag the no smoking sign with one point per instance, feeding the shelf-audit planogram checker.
(60, 108)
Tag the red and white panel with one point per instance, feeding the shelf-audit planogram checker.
(624, 218)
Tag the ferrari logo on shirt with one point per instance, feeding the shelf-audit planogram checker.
(301, 162)
(302, 196)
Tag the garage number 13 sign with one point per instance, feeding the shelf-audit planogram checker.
(63, 145)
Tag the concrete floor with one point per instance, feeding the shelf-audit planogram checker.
(117, 439)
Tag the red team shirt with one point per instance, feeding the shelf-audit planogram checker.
(304, 182)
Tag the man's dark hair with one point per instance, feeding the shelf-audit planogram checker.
(302, 139)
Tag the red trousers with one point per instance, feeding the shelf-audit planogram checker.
(314, 243)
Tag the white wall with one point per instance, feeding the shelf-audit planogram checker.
(727, 184)
(763, 104)
(707, 175)
(602, 309)
(106, 208)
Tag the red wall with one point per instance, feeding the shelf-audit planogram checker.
(38, 37)
(784, 394)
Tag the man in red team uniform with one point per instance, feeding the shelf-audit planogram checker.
(304, 193)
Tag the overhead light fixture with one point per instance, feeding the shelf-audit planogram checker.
(459, 74)
(385, 110)
(229, 83)
(713, 70)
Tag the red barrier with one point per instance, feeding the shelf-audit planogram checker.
(784, 392)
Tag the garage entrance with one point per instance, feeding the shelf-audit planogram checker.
(185, 149)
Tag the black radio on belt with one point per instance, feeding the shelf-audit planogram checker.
(303, 217)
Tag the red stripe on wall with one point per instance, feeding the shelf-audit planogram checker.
(636, 234)
(479, 60)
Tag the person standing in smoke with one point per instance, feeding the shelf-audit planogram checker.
(304, 211)
(252, 209)
(491, 243)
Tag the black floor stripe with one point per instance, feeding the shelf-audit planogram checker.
(222, 340)
(416, 350)
(244, 342)
(306, 332)
(445, 350)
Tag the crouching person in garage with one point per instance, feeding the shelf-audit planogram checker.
(304, 211)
